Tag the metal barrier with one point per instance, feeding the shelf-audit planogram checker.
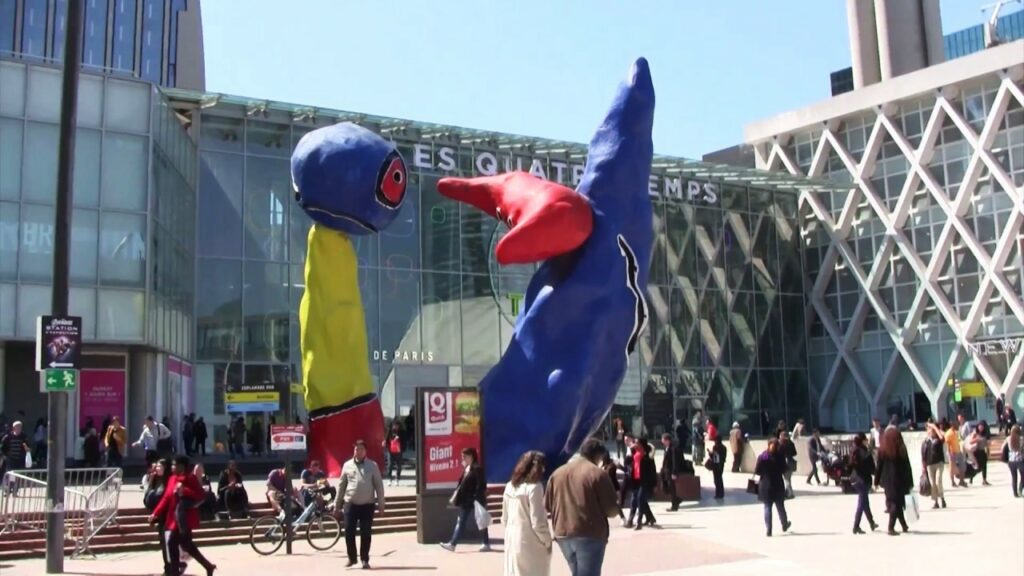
(91, 498)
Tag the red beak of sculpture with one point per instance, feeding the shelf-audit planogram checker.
(545, 219)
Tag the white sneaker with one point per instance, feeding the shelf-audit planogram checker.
(485, 548)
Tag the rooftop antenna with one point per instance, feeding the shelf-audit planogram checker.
(991, 32)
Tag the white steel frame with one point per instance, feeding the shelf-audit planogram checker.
(774, 156)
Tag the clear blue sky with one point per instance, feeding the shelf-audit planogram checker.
(539, 67)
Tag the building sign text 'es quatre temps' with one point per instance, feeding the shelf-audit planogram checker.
(444, 158)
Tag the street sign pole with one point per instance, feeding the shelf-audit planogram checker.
(288, 513)
(57, 411)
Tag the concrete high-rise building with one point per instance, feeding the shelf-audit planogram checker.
(914, 289)
(160, 41)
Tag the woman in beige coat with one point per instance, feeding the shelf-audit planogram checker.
(527, 536)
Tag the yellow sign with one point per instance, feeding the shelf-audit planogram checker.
(973, 389)
(296, 388)
(247, 397)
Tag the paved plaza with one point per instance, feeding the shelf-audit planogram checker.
(982, 532)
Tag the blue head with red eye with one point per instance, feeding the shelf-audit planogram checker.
(348, 178)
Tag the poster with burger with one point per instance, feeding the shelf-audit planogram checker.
(451, 423)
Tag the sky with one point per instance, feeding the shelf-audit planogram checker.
(544, 68)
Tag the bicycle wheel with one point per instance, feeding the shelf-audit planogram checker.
(266, 535)
(323, 531)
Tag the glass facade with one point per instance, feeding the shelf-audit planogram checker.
(725, 294)
(1009, 27)
(914, 269)
(132, 228)
(119, 37)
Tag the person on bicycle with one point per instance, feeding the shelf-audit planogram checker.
(279, 486)
(315, 485)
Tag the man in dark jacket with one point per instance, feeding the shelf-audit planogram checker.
(671, 468)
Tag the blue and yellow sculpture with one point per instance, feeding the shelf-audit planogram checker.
(350, 181)
(585, 307)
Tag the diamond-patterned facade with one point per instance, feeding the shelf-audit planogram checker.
(921, 257)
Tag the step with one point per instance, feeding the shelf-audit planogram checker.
(140, 536)
(37, 549)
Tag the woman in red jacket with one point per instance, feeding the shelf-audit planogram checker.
(182, 489)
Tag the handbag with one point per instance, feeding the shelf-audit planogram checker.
(483, 517)
(1004, 454)
(924, 486)
(752, 486)
(912, 508)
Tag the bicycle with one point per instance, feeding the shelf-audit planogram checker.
(322, 529)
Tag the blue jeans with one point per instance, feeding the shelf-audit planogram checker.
(640, 504)
(467, 515)
(863, 504)
(584, 555)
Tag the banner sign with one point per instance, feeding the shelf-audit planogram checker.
(450, 423)
(102, 393)
(252, 397)
(58, 342)
(287, 437)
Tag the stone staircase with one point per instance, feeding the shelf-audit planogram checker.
(133, 532)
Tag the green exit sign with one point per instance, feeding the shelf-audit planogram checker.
(60, 379)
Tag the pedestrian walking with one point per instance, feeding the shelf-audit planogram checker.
(978, 450)
(671, 463)
(862, 473)
(1012, 453)
(771, 486)
(115, 440)
(580, 498)
(13, 449)
(164, 438)
(183, 485)
(527, 535)
(199, 435)
(91, 452)
(894, 476)
(788, 450)
(188, 433)
(155, 483)
(470, 492)
(39, 443)
(933, 461)
(612, 469)
(362, 490)
(393, 445)
(645, 480)
(237, 438)
(736, 445)
(148, 440)
(798, 430)
(620, 438)
(815, 452)
(716, 463)
(698, 431)
(1000, 420)
(954, 456)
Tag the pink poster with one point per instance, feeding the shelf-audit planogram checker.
(100, 393)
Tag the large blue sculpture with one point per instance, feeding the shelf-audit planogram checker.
(585, 307)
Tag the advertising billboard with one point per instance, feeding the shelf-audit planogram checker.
(450, 422)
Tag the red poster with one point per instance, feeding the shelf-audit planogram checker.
(100, 393)
(451, 423)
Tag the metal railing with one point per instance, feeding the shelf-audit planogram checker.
(91, 498)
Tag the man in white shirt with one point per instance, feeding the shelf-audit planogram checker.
(149, 438)
(361, 489)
